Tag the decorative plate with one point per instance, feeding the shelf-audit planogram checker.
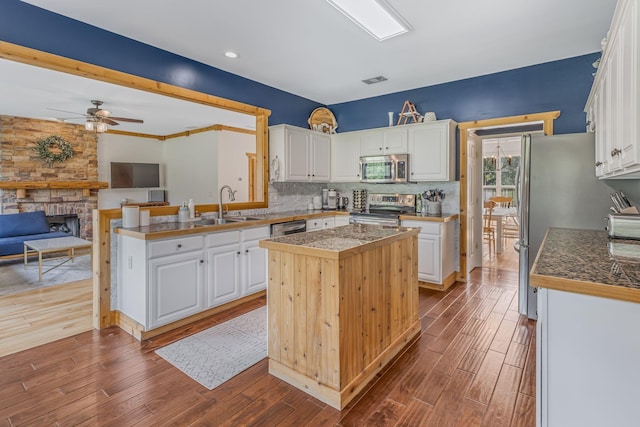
(323, 120)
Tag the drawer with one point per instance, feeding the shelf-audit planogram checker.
(223, 238)
(427, 227)
(256, 233)
(175, 246)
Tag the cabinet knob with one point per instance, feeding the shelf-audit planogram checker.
(313, 174)
(386, 148)
(615, 152)
(598, 163)
(380, 148)
(238, 253)
(201, 261)
(179, 245)
(246, 251)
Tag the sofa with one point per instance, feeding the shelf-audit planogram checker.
(15, 229)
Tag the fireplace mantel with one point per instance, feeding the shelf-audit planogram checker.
(23, 186)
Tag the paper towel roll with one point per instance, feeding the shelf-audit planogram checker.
(130, 216)
(145, 217)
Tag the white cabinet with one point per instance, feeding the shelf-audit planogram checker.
(345, 157)
(236, 265)
(299, 155)
(586, 360)
(435, 251)
(341, 220)
(176, 288)
(163, 281)
(327, 222)
(383, 141)
(432, 151)
(612, 104)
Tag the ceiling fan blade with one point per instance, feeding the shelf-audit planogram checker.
(125, 119)
(109, 121)
(70, 112)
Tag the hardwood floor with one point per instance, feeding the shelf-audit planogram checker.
(474, 364)
(32, 318)
(506, 260)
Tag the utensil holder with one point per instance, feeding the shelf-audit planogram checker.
(434, 208)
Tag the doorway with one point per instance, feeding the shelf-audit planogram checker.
(471, 194)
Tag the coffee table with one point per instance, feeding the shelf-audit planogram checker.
(55, 245)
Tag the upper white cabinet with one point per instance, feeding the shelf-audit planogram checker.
(383, 141)
(299, 155)
(432, 151)
(612, 104)
(345, 157)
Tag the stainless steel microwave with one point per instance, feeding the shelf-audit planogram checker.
(389, 168)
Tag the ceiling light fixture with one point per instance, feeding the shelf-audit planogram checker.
(97, 125)
(231, 54)
(376, 17)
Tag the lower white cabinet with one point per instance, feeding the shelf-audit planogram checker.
(327, 222)
(586, 360)
(163, 281)
(435, 250)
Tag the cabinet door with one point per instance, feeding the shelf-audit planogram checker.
(429, 258)
(314, 224)
(345, 157)
(255, 267)
(328, 222)
(320, 159)
(223, 274)
(628, 86)
(371, 143)
(614, 91)
(395, 141)
(429, 151)
(175, 287)
(297, 155)
(341, 220)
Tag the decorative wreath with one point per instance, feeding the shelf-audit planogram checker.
(43, 148)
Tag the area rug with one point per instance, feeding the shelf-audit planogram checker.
(217, 354)
(14, 278)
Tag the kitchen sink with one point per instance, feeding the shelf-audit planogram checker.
(212, 221)
(242, 218)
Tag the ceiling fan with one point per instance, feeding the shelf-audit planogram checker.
(98, 117)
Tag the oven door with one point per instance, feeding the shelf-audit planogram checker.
(359, 218)
(377, 169)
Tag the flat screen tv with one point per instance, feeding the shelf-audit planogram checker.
(135, 175)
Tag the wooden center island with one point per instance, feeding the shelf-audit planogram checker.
(342, 302)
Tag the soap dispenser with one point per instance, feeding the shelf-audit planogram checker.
(183, 213)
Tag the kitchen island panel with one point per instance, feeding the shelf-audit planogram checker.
(351, 295)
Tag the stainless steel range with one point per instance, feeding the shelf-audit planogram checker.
(385, 209)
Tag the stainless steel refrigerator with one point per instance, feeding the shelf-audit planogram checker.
(557, 188)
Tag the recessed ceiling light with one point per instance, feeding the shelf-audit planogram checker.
(373, 80)
(230, 54)
(376, 17)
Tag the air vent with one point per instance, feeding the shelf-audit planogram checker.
(374, 80)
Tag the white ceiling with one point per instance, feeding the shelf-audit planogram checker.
(308, 48)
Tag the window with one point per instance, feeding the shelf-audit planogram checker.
(500, 162)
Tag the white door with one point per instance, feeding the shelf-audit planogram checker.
(320, 158)
(474, 202)
(175, 289)
(223, 274)
(255, 267)
(297, 154)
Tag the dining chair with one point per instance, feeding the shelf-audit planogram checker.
(488, 231)
(510, 224)
(502, 201)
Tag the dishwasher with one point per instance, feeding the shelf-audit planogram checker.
(289, 227)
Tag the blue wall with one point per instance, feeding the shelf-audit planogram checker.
(560, 85)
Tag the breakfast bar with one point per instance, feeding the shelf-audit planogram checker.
(343, 302)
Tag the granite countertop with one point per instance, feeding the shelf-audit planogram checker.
(588, 262)
(443, 217)
(339, 240)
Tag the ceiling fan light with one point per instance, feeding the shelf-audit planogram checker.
(89, 125)
(101, 127)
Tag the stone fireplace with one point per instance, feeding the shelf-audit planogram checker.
(59, 189)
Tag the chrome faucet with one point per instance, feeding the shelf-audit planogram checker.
(232, 197)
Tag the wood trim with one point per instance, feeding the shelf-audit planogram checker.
(102, 266)
(38, 58)
(546, 118)
(251, 166)
(135, 134)
(39, 185)
(446, 283)
(217, 127)
(135, 329)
